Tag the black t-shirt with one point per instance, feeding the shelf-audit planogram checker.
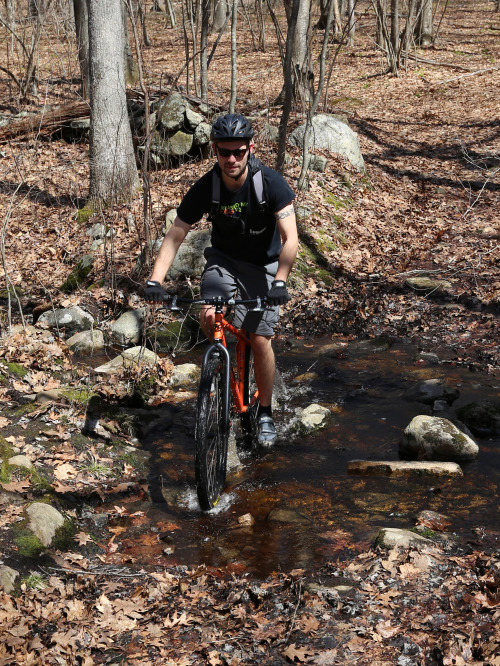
(239, 228)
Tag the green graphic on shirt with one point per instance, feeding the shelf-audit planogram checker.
(233, 209)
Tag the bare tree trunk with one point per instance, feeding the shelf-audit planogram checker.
(301, 56)
(234, 21)
(220, 12)
(423, 28)
(82, 40)
(395, 25)
(351, 22)
(381, 10)
(113, 172)
(308, 135)
(205, 18)
(287, 86)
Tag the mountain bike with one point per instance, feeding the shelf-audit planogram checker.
(220, 377)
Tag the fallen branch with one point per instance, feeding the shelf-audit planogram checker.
(49, 120)
(438, 64)
(463, 76)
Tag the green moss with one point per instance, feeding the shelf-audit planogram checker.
(6, 472)
(35, 581)
(80, 396)
(5, 448)
(27, 408)
(337, 203)
(84, 214)
(79, 274)
(11, 291)
(28, 545)
(63, 539)
(15, 369)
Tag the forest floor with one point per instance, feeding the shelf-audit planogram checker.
(428, 203)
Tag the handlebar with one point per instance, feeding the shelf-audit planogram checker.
(218, 301)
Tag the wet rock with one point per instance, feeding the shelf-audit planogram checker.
(332, 350)
(403, 468)
(21, 461)
(8, 579)
(86, 341)
(392, 537)
(433, 520)
(184, 375)
(128, 328)
(482, 417)
(429, 285)
(279, 515)
(374, 346)
(431, 390)
(312, 418)
(176, 335)
(435, 438)
(246, 520)
(44, 520)
(332, 134)
(336, 590)
(70, 319)
(428, 357)
(135, 356)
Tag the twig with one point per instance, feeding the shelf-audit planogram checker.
(294, 614)
(463, 76)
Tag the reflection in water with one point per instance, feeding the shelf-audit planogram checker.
(306, 509)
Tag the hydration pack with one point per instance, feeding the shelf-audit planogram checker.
(255, 166)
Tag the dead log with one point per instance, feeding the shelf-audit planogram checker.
(43, 123)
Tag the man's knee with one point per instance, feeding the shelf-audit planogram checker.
(261, 344)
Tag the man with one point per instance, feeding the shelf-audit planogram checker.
(254, 245)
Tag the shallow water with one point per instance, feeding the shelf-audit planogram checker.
(331, 514)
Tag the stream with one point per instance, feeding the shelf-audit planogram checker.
(305, 509)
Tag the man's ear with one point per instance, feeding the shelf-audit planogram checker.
(251, 146)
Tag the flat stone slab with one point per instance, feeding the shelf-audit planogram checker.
(403, 468)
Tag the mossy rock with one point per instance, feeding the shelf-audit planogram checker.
(482, 417)
(79, 274)
(15, 369)
(28, 545)
(174, 335)
(85, 213)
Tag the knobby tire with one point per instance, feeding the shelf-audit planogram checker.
(211, 433)
(248, 418)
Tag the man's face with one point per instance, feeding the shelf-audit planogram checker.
(233, 165)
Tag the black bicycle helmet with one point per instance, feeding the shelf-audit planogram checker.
(231, 126)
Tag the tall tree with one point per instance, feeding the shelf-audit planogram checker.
(113, 172)
(423, 27)
(301, 54)
(82, 41)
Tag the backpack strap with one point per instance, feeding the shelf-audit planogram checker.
(215, 190)
(258, 181)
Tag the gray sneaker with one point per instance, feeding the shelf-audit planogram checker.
(266, 431)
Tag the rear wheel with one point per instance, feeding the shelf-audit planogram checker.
(212, 432)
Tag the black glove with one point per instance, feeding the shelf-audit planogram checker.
(154, 292)
(278, 295)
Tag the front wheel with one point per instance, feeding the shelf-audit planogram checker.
(212, 431)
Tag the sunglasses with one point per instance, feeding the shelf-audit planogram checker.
(237, 152)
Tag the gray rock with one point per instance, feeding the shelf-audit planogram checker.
(98, 230)
(7, 579)
(312, 418)
(72, 319)
(193, 119)
(202, 134)
(190, 260)
(86, 341)
(403, 468)
(171, 113)
(44, 521)
(482, 417)
(392, 537)
(332, 134)
(21, 461)
(435, 438)
(269, 133)
(185, 374)
(135, 356)
(169, 220)
(431, 390)
(128, 327)
(180, 143)
(428, 357)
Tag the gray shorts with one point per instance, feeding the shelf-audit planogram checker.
(226, 277)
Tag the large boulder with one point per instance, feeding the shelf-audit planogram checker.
(330, 133)
(171, 112)
(190, 259)
(128, 327)
(435, 438)
(86, 341)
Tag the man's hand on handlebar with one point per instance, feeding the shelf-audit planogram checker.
(154, 292)
(278, 294)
